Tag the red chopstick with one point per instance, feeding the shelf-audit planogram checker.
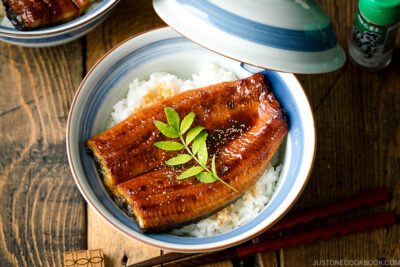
(369, 198)
(354, 226)
(368, 223)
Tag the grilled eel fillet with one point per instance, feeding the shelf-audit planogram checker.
(30, 14)
(245, 126)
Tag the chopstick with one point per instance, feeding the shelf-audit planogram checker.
(369, 198)
(367, 223)
(354, 226)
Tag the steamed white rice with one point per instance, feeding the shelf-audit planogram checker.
(161, 85)
(4, 21)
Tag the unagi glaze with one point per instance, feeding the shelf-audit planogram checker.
(246, 126)
(30, 14)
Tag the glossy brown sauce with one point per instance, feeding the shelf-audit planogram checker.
(30, 14)
(236, 126)
(245, 127)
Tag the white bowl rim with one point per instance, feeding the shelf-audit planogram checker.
(194, 248)
(62, 28)
(247, 61)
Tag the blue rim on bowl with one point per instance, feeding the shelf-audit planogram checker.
(289, 36)
(59, 34)
(103, 7)
(102, 87)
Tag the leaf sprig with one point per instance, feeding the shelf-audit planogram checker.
(198, 152)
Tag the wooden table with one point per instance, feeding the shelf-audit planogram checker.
(42, 213)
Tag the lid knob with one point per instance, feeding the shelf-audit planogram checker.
(382, 12)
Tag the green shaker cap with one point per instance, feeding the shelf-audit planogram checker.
(382, 12)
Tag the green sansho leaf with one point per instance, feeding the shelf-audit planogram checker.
(193, 133)
(178, 160)
(174, 129)
(197, 141)
(214, 170)
(190, 172)
(166, 130)
(172, 118)
(203, 153)
(169, 145)
(206, 177)
(187, 122)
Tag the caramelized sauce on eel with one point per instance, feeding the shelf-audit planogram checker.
(245, 125)
(31, 14)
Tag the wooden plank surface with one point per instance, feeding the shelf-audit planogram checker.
(129, 18)
(358, 138)
(41, 211)
(118, 249)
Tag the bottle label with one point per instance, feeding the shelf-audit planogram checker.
(371, 45)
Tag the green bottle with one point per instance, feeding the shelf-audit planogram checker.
(374, 33)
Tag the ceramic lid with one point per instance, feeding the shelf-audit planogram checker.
(286, 35)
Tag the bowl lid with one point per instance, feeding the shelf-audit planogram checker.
(286, 35)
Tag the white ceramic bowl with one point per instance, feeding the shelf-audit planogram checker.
(165, 50)
(290, 36)
(59, 34)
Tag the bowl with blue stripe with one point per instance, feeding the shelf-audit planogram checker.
(59, 34)
(294, 36)
(165, 50)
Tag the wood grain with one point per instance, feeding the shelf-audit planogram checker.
(41, 211)
(119, 250)
(358, 134)
(128, 19)
(43, 215)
